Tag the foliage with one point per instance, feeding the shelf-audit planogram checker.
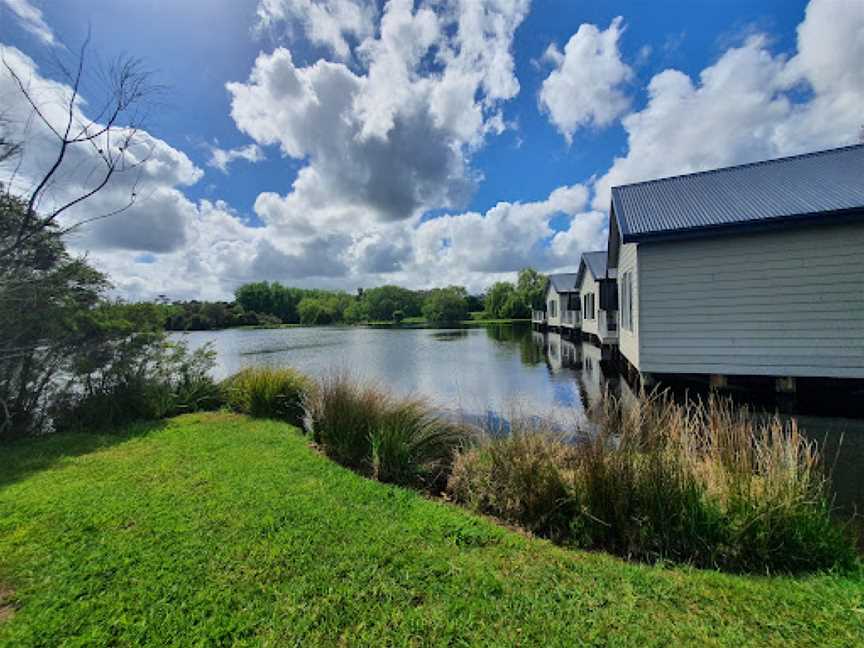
(507, 301)
(129, 539)
(382, 302)
(446, 305)
(701, 484)
(532, 286)
(137, 375)
(205, 316)
(67, 355)
(268, 393)
(402, 441)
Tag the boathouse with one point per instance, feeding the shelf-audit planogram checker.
(562, 303)
(754, 270)
(599, 298)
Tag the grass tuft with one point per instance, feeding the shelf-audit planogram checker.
(396, 440)
(704, 483)
(268, 393)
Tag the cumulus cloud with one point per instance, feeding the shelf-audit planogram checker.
(586, 84)
(329, 23)
(222, 158)
(747, 105)
(30, 18)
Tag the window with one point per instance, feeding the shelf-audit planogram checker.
(552, 308)
(627, 301)
(588, 306)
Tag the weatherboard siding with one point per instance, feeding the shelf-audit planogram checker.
(781, 303)
(560, 301)
(628, 341)
(588, 287)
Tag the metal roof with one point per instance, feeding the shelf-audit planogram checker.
(813, 185)
(564, 282)
(596, 263)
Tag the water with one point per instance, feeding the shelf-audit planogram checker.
(485, 372)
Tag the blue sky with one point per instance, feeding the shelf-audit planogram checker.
(522, 170)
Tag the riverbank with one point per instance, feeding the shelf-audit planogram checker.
(408, 322)
(216, 528)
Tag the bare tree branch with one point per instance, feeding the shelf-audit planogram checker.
(110, 134)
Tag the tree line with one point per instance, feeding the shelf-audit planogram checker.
(266, 303)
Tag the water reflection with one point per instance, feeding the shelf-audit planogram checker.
(484, 372)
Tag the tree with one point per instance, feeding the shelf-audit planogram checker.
(497, 297)
(112, 137)
(446, 305)
(532, 286)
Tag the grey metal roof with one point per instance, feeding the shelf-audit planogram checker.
(596, 263)
(811, 185)
(564, 282)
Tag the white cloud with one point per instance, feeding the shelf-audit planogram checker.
(221, 158)
(325, 22)
(30, 18)
(747, 105)
(586, 85)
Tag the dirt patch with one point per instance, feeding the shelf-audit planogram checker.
(7, 609)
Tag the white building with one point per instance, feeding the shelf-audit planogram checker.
(562, 303)
(598, 298)
(753, 270)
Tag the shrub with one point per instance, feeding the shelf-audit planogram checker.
(268, 393)
(521, 478)
(142, 378)
(704, 483)
(395, 440)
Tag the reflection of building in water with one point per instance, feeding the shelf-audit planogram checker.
(561, 353)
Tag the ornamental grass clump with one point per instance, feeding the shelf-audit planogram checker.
(391, 439)
(705, 483)
(269, 393)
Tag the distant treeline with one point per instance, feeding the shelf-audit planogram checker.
(270, 303)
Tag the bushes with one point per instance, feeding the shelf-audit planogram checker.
(401, 441)
(268, 393)
(702, 483)
(138, 377)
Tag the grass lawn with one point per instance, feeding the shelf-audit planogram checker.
(219, 529)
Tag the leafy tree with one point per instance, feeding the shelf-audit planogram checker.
(532, 286)
(497, 297)
(446, 305)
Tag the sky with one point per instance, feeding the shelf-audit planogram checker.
(346, 144)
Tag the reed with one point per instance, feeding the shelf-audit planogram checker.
(706, 483)
(269, 393)
(391, 439)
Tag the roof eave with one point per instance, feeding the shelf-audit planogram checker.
(811, 218)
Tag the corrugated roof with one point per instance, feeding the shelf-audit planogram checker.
(596, 263)
(761, 192)
(563, 282)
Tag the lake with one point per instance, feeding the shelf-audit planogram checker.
(484, 371)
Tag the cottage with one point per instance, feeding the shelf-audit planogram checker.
(562, 302)
(752, 270)
(598, 298)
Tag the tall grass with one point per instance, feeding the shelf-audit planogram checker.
(391, 439)
(269, 393)
(704, 483)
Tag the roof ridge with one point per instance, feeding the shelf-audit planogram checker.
(739, 166)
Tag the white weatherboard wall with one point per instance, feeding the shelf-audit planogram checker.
(780, 303)
(587, 287)
(628, 341)
(560, 302)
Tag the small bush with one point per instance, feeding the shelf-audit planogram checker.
(703, 483)
(268, 393)
(148, 379)
(401, 441)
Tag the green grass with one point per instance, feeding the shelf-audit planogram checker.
(217, 529)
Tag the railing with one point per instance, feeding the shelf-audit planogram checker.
(571, 318)
(538, 316)
(607, 325)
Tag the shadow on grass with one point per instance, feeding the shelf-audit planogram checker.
(24, 457)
